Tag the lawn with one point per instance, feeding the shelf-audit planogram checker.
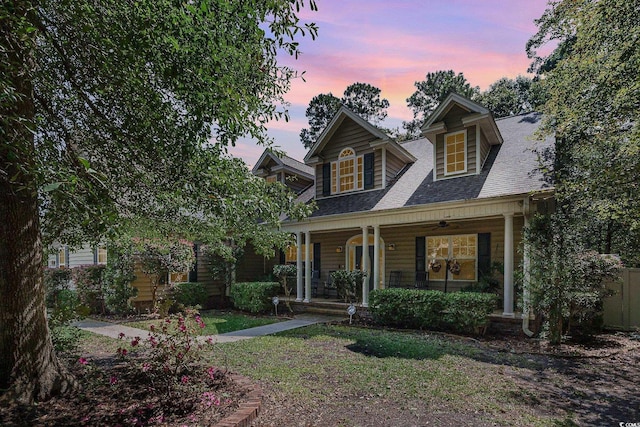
(218, 322)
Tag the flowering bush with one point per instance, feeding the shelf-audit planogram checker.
(90, 286)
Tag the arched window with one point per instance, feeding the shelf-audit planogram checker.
(346, 173)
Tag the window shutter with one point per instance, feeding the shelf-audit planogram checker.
(368, 170)
(326, 179)
(484, 254)
(421, 253)
(95, 255)
(193, 274)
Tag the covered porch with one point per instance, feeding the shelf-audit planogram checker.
(414, 246)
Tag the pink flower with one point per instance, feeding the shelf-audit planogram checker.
(184, 379)
(113, 380)
(210, 340)
(135, 341)
(145, 367)
(152, 328)
(121, 335)
(82, 361)
(182, 328)
(122, 351)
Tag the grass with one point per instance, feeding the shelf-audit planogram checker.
(338, 375)
(218, 322)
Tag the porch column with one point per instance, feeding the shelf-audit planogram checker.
(299, 266)
(508, 265)
(376, 257)
(365, 266)
(307, 266)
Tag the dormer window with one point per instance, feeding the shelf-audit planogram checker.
(346, 173)
(455, 153)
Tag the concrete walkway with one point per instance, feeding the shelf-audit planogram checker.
(114, 330)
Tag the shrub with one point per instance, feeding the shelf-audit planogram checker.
(189, 294)
(254, 297)
(89, 285)
(66, 308)
(466, 311)
(118, 276)
(55, 280)
(407, 308)
(283, 272)
(348, 283)
(413, 308)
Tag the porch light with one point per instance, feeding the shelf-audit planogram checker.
(339, 249)
(391, 247)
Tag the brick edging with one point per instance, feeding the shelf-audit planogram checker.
(249, 409)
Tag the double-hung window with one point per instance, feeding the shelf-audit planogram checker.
(461, 248)
(455, 153)
(347, 172)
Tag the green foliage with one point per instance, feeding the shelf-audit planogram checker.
(467, 311)
(254, 297)
(413, 308)
(118, 276)
(361, 98)
(348, 283)
(431, 92)
(158, 258)
(567, 282)
(66, 308)
(189, 294)
(90, 286)
(509, 97)
(284, 272)
(407, 308)
(592, 83)
(55, 281)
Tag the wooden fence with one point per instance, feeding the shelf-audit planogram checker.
(622, 310)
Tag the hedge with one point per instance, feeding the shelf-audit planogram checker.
(413, 308)
(189, 294)
(254, 297)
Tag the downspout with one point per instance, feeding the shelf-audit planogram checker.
(526, 306)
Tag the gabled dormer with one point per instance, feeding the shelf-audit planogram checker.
(284, 169)
(462, 133)
(351, 155)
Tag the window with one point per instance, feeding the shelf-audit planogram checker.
(347, 173)
(462, 248)
(102, 255)
(272, 178)
(62, 257)
(291, 254)
(455, 153)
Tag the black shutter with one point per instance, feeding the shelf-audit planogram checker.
(421, 252)
(368, 170)
(95, 255)
(326, 179)
(316, 257)
(484, 254)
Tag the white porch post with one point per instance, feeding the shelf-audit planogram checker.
(307, 266)
(376, 257)
(508, 265)
(365, 266)
(299, 266)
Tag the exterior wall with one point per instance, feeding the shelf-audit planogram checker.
(296, 183)
(253, 267)
(82, 256)
(394, 165)
(485, 147)
(403, 238)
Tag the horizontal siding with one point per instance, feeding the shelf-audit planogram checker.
(253, 267)
(296, 183)
(394, 165)
(349, 134)
(485, 147)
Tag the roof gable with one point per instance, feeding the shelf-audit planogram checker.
(282, 162)
(379, 137)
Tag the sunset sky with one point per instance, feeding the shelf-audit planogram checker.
(392, 44)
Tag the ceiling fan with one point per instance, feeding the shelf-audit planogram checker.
(441, 225)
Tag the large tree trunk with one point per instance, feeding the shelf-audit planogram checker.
(29, 369)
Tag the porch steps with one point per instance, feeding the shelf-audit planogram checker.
(331, 308)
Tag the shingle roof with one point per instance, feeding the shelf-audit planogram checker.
(511, 168)
(295, 164)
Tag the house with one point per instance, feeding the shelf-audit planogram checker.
(61, 256)
(442, 208)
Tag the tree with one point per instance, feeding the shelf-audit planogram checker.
(361, 98)
(592, 84)
(431, 92)
(115, 115)
(509, 97)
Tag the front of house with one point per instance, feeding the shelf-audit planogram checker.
(438, 211)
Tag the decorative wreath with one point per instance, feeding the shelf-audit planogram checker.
(435, 265)
(454, 267)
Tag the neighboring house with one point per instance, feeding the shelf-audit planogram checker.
(62, 257)
(461, 193)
